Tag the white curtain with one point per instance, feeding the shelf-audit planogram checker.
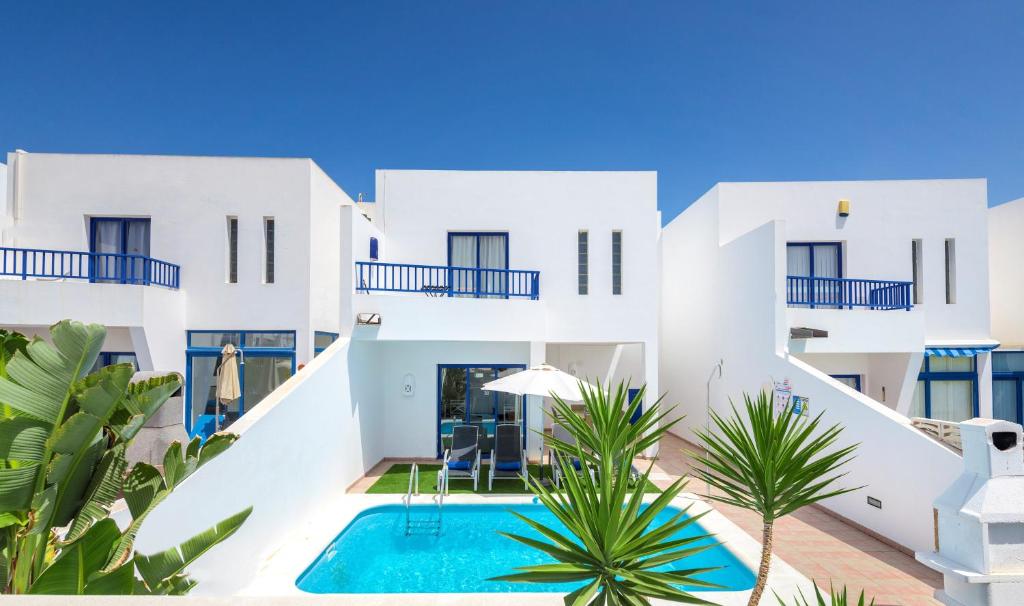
(917, 405)
(952, 400)
(492, 256)
(463, 254)
(106, 238)
(1004, 400)
(137, 244)
(798, 260)
(826, 261)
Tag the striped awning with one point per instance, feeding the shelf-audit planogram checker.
(958, 352)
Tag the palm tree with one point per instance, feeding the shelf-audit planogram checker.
(835, 597)
(772, 464)
(612, 545)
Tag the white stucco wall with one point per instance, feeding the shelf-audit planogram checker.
(741, 318)
(1006, 252)
(885, 216)
(542, 212)
(188, 200)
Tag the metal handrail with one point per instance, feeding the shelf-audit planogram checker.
(116, 268)
(840, 293)
(447, 280)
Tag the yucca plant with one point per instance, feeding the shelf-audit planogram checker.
(63, 439)
(834, 598)
(772, 463)
(612, 546)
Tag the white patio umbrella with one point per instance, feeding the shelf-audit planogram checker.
(542, 380)
(228, 387)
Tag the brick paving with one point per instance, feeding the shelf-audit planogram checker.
(819, 545)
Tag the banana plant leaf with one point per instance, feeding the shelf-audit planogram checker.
(165, 565)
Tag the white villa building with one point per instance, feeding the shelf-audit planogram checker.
(367, 329)
(867, 300)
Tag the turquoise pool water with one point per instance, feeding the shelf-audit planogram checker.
(373, 554)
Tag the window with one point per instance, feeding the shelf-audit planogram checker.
(471, 255)
(266, 359)
(109, 358)
(851, 381)
(374, 249)
(917, 265)
(1008, 385)
(946, 389)
(119, 244)
(950, 271)
(268, 250)
(616, 262)
(322, 340)
(232, 250)
(583, 262)
(811, 270)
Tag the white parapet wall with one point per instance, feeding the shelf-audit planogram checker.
(306, 442)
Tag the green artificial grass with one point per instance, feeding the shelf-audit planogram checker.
(396, 481)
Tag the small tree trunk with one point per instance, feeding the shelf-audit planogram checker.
(762, 571)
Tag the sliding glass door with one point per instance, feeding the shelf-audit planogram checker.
(266, 360)
(462, 400)
(114, 237)
(473, 253)
(816, 260)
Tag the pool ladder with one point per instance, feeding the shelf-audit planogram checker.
(432, 526)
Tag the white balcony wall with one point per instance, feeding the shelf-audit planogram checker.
(1006, 254)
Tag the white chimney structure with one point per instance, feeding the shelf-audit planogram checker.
(979, 520)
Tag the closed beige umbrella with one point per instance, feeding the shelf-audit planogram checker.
(228, 387)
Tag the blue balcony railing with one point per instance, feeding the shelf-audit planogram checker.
(447, 281)
(112, 268)
(847, 293)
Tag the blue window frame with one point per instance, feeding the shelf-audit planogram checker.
(1008, 385)
(109, 358)
(811, 247)
(474, 409)
(932, 373)
(115, 236)
(322, 340)
(850, 380)
(630, 396)
(269, 353)
(374, 249)
(473, 254)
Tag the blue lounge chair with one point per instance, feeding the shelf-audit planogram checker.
(462, 460)
(508, 459)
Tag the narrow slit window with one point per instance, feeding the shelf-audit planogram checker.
(374, 249)
(916, 271)
(616, 262)
(232, 250)
(583, 261)
(950, 271)
(268, 250)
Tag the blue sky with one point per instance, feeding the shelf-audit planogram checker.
(699, 91)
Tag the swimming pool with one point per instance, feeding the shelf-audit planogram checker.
(373, 554)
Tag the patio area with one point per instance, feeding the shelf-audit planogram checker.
(817, 544)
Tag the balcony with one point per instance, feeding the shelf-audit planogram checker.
(447, 281)
(847, 293)
(106, 268)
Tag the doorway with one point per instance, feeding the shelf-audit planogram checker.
(462, 400)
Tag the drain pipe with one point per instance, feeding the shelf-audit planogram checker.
(717, 369)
